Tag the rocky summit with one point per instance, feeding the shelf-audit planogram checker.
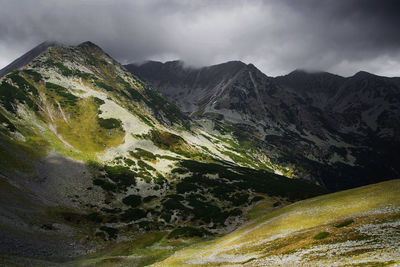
(160, 163)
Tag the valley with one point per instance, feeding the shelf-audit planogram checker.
(102, 165)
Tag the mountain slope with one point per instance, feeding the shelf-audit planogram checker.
(91, 156)
(26, 58)
(341, 132)
(354, 227)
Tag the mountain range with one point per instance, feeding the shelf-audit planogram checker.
(103, 164)
(343, 131)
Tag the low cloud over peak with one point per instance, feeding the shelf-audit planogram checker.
(278, 36)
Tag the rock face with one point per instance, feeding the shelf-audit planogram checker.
(345, 130)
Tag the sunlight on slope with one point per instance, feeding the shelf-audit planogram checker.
(293, 227)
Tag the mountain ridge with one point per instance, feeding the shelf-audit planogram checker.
(335, 113)
(92, 156)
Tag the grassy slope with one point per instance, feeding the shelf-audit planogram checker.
(286, 236)
(52, 116)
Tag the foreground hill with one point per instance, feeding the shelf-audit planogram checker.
(342, 132)
(91, 156)
(359, 227)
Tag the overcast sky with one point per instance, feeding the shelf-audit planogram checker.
(278, 36)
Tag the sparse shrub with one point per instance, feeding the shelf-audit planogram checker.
(10, 94)
(83, 75)
(104, 86)
(184, 187)
(129, 162)
(132, 200)
(110, 123)
(256, 199)
(99, 101)
(343, 224)
(121, 175)
(149, 198)
(64, 70)
(94, 217)
(112, 232)
(142, 153)
(321, 235)
(186, 231)
(145, 166)
(159, 179)
(63, 92)
(107, 186)
(276, 204)
(35, 75)
(179, 170)
(133, 215)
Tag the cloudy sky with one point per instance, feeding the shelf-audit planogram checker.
(278, 36)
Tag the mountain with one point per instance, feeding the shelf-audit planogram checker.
(92, 157)
(342, 132)
(344, 228)
(26, 58)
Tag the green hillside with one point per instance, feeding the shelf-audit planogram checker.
(358, 227)
(92, 157)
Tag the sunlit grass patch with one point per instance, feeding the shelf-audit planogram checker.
(84, 132)
(297, 227)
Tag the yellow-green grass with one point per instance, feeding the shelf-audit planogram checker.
(18, 155)
(83, 132)
(263, 207)
(293, 227)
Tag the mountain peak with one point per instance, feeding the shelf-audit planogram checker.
(363, 74)
(304, 72)
(28, 57)
(90, 45)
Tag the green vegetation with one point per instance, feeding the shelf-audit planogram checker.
(172, 142)
(244, 178)
(105, 185)
(5, 121)
(11, 95)
(83, 130)
(133, 215)
(129, 162)
(145, 166)
(149, 198)
(22, 83)
(343, 224)
(64, 70)
(112, 232)
(166, 140)
(299, 220)
(160, 105)
(104, 86)
(99, 101)
(179, 170)
(66, 97)
(36, 76)
(121, 175)
(84, 75)
(132, 200)
(110, 123)
(143, 154)
(321, 235)
(185, 232)
(33, 148)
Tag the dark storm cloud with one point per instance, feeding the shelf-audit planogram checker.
(277, 36)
